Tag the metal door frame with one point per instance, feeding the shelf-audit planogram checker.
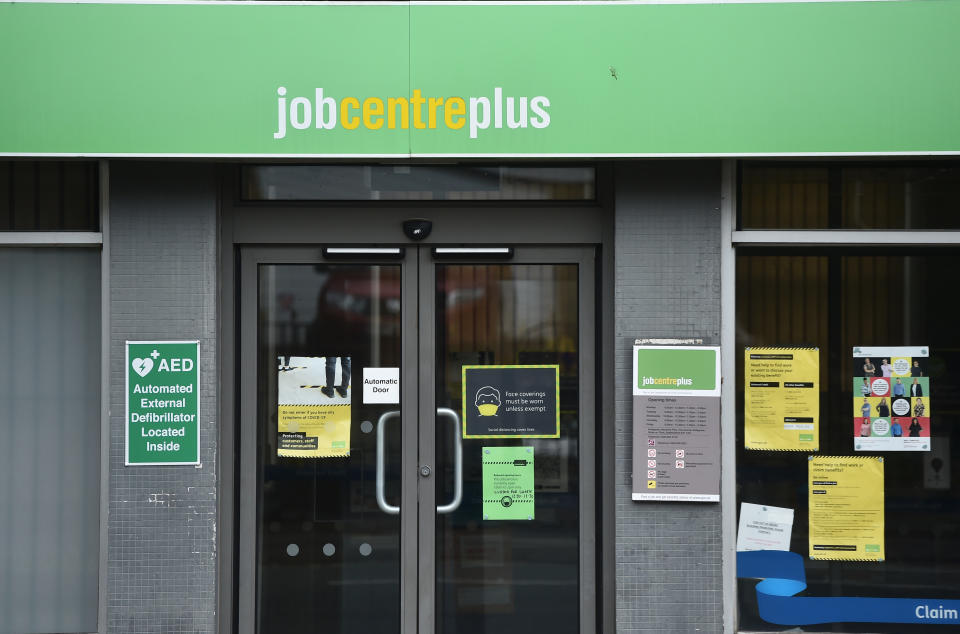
(250, 259)
(588, 371)
(244, 226)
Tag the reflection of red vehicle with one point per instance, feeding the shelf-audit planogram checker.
(355, 303)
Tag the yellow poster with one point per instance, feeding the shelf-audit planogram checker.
(781, 399)
(846, 508)
(313, 417)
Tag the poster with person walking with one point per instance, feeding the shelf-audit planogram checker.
(891, 398)
(313, 409)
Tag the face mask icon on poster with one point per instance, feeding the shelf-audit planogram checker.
(488, 400)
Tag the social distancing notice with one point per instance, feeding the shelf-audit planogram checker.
(846, 508)
(314, 398)
(782, 399)
(163, 404)
(511, 401)
(508, 483)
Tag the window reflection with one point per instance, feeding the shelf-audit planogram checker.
(509, 576)
(837, 300)
(326, 551)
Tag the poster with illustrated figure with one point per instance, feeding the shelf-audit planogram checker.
(781, 399)
(313, 417)
(846, 508)
(511, 401)
(891, 398)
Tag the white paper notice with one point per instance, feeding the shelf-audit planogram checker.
(764, 527)
(381, 385)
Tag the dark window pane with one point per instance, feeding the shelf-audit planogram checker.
(835, 300)
(416, 182)
(837, 196)
(49, 196)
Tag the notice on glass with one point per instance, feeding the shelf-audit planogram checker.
(511, 401)
(891, 398)
(163, 403)
(313, 417)
(764, 527)
(846, 508)
(508, 482)
(782, 399)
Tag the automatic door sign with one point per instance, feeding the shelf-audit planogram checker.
(163, 405)
(511, 401)
(508, 491)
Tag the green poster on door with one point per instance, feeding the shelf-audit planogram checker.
(508, 483)
(163, 405)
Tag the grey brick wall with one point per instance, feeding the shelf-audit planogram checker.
(162, 526)
(667, 256)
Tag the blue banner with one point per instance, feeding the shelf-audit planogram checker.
(783, 576)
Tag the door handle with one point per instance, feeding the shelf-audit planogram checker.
(389, 509)
(454, 504)
(457, 461)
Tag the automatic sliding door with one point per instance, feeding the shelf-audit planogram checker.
(509, 555)
(328, 557)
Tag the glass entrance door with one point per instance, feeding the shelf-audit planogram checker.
(416, 441)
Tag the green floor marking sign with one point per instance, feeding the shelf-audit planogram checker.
(508, 483)
(163, 406)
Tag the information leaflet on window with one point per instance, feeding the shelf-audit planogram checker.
(676, 423)
(764, 527)
(313, 417)
(891, 398)
(163, 404)
(846, 508)
(781, 399)
(508, 483)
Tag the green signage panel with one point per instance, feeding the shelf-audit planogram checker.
(163, 406)
(508, 483)
(692, 370)
(480, 79)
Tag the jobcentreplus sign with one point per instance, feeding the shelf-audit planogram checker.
(417, 111)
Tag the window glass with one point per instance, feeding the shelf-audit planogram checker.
(416, 182)
(920, 196)
(50, 426)
(49, 196)
(835, 300)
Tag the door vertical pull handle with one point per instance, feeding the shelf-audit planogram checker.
(381, 464)
(457, 461)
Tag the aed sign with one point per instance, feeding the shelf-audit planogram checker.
(163, 404)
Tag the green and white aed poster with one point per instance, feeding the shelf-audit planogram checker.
(163, 404)
(508, 492)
